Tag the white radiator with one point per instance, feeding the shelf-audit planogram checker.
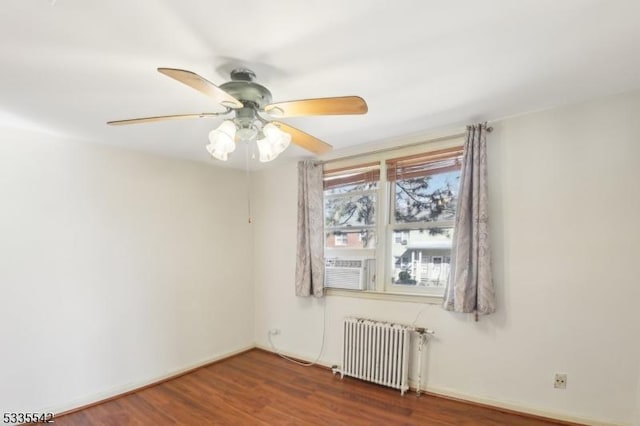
(377, 352)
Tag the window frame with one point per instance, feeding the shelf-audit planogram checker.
(384, 228)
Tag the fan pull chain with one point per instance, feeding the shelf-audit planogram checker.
(248, 184)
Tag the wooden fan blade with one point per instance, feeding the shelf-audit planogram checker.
(343, 105)
(304, 140)
(162, 118)
(203, 85)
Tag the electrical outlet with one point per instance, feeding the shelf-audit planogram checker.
(274, 331)
(560, 381)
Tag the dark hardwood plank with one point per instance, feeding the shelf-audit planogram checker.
(260, 388)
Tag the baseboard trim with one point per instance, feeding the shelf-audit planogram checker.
(101, 398)
(520, 410)
(514, 408)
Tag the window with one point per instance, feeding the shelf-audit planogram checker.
(400, 237)
(340, 239)
(398, 210)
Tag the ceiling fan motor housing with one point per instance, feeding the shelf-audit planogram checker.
(242, 74)
(243, 88)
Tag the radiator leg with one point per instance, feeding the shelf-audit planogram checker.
(336, 370)
(420, 344)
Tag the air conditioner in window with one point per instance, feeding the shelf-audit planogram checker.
(349, 273)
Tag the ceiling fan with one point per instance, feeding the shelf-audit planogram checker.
(248, 100)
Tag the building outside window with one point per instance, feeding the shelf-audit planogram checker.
(340, 239)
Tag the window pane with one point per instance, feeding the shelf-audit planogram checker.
(354, 239)
(428, 198)
(345, 211)
(424, 258)
(355, 187)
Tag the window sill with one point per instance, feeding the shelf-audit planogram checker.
(389, 296)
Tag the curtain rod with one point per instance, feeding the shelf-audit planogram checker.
(379, 151)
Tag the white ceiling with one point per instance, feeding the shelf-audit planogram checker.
(68, 66)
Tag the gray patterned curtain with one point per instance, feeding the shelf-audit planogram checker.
(470, 286)
(310, 250)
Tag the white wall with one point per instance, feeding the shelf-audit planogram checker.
(565, 211)
(116, 268)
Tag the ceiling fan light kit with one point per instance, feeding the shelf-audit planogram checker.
(222, 140)
(274, 142)
(247, 100)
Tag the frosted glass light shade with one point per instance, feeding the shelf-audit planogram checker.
(222, 140)
(274, 142)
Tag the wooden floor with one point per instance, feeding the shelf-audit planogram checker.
(260, 388)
